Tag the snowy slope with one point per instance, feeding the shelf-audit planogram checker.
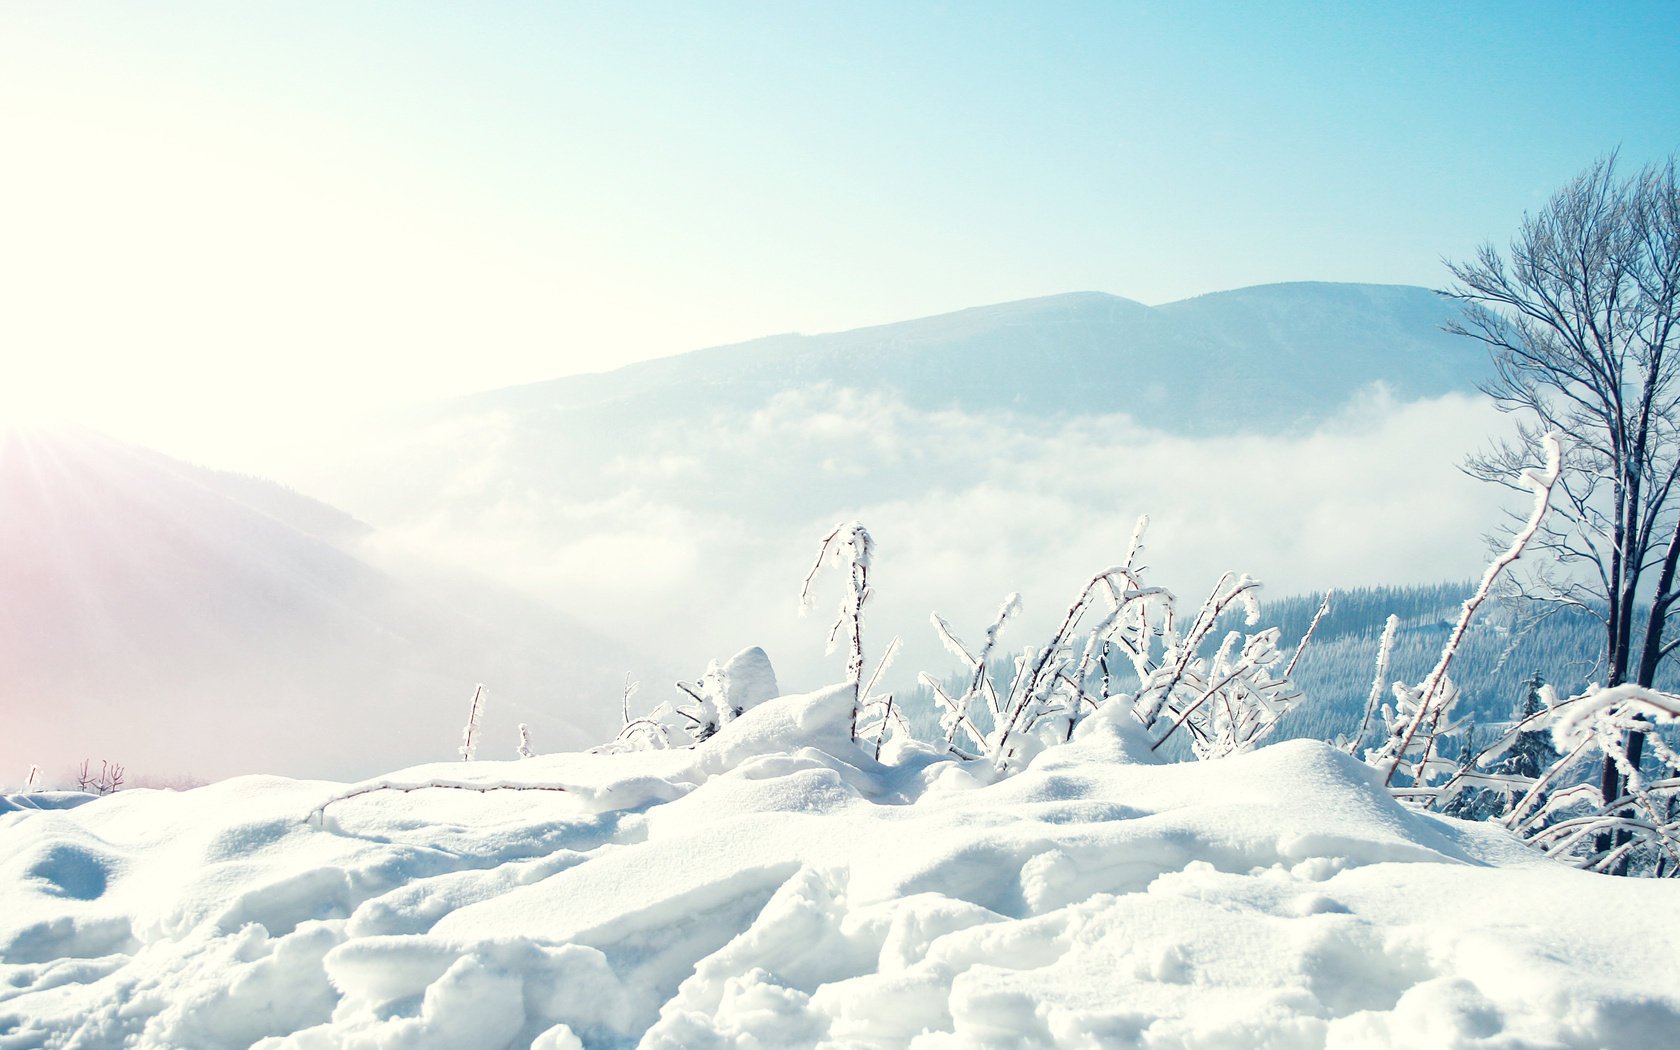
(776, 887)
(183, 621)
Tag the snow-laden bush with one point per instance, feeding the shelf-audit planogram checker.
(720, 695)
(1218, 691)
(1226, 702)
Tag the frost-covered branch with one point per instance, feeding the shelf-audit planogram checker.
(1300, 648)
(1379, 684)
(402, 787)
(1419, 713)
(850, 544)
(1570, 819)
(1226, 703)
(469, 732)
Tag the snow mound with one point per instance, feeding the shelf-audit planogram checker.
(776, 886)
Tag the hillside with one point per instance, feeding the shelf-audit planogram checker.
(1498, 655)
(184, 622)
(1251, 359)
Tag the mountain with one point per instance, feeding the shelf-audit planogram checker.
(189, 622)
(1251, 359)
(1262, 361)
(1306, 433)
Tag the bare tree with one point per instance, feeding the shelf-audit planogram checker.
(1583, 325)
(108, 780)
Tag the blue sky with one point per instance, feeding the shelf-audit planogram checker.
(220, 213)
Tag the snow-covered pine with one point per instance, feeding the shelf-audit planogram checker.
(1525, 788)
(1465, 801)
(1511, 766)
(469, 732)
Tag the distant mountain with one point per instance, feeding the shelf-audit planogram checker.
(1275, 359)
(1251, 359)
(997, 448)
(181, 620)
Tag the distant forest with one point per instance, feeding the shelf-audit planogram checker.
(1491, 666)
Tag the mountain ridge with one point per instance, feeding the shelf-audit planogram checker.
(1261, 357)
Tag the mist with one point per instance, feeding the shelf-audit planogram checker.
(691, 543)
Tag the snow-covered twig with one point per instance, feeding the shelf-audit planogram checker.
(426, 785)
(1227, 705)
(848, 542)
(1379, 684)
(1301, 647)
(469, 732)
(1576, 823)
(1433, 695)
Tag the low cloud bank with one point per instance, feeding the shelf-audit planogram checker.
(691, 539)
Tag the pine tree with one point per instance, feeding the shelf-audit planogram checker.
(1532, 752)
(1471, 803)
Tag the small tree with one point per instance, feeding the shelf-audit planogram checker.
(469, 732)
(849, 545)
(107, 781)
(1471, 803)
(1583, 325)
(1531, 752)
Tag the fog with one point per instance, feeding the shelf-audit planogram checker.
(692, 542)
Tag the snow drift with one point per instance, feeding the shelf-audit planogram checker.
(776, 886)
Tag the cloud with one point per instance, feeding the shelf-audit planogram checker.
(692, 540)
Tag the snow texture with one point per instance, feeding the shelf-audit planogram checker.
(776, 886)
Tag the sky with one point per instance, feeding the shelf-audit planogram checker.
(225, 222)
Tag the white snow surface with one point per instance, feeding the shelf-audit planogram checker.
(778, 887)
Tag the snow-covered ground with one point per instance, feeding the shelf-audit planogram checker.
(777, 887)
